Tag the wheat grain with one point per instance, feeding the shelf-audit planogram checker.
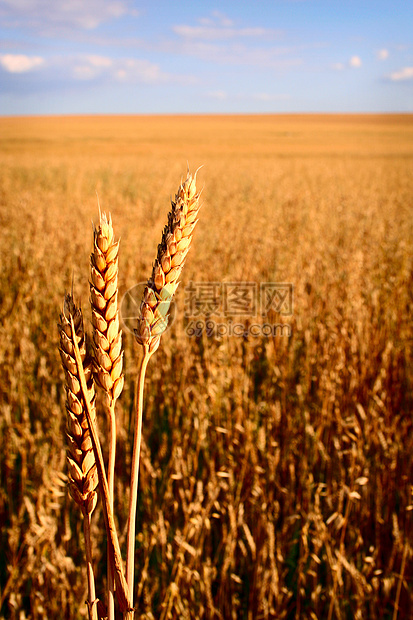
(107, 336)
(79, 377)
(83, 478)
(266, 193)
(83, 474)
(107, 340)
(153, 320)
(172, 252)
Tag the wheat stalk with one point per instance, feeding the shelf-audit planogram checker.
(86, 467)
(83, 477)
(153, 320)
(107, 341)
(74, 358)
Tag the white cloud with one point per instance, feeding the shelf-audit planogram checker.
(355, 61)
(404, 74)
(46, 16)
(91, 67)
(216, 39)
(100, 61)
(212, 33)
(217, 16)
(84, 72)
(19, 63)
(383, 54)
(220, 27)
(218, 94)
(236, 53)
(143, 70)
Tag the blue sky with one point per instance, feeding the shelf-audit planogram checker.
(130, 56)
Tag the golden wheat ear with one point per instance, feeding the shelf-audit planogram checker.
(83, 478)
(83, 474)
(79, 377)
(107, 343)
(107, 336)
(153, 320)
(172, 253)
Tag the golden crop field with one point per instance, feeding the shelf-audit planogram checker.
(276, 467)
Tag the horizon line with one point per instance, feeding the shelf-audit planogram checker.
(198, 114)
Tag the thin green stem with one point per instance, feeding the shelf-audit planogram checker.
(130, 557)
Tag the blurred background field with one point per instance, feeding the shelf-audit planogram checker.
(276, 475)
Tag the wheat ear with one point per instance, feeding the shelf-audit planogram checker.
(83, 477)
(87, 395)
(157, 297)
(172, 252)
(107, 341)
(107, 336)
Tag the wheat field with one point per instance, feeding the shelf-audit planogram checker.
(276, 470)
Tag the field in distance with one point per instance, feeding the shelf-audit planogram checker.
(276, 464)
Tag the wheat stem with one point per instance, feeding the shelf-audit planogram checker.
(153, 320)
(400, 582)
(107, 340)
(130, 557)
(92, 603)
(341, 551)
(111, 479)
(83, 478)
(122, 591)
